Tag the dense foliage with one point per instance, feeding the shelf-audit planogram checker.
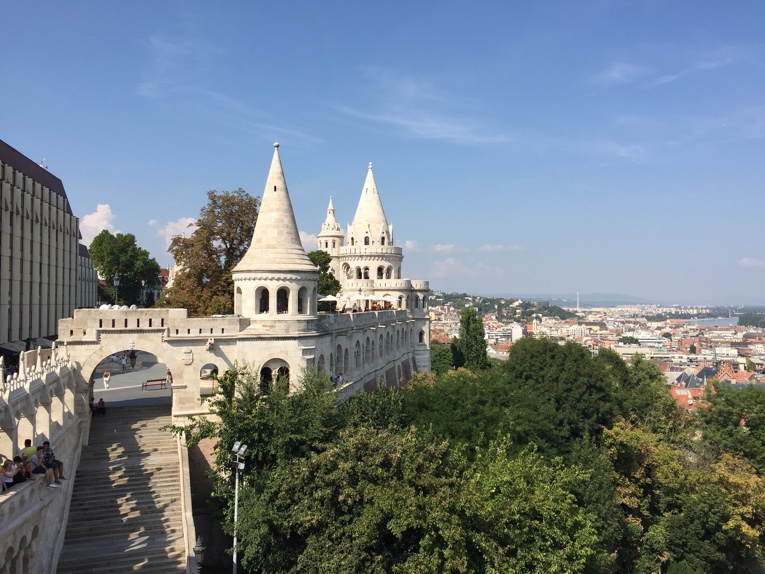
(752, 319)
(118, 256)
(328, 283)
(204, 284)
(553, 462)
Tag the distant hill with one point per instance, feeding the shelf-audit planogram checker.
(588, 299)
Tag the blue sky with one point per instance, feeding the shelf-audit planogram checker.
(518, 147)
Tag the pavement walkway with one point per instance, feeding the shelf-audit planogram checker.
(125, 388)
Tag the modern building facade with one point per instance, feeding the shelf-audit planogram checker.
(44, 271)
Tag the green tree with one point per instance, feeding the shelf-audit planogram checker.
(328, 284)
(580, 389)
(441, 358)
(204, 284)
(734, 421)
(471, 342)
(118, 256)
(751, 366)
(628, 340)
(692, 349)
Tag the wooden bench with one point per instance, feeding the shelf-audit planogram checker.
(161, 383)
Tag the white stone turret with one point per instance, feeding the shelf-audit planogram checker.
(275, 279)
(370, 227)
(331, 237)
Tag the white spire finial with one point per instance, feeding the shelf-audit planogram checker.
(370, 166)
(276, 145)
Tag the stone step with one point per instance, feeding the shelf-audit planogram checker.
(125, 513)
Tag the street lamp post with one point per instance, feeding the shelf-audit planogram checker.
(199, 553)
(116, 289)
(238, 450)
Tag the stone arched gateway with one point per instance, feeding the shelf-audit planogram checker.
(184, 344)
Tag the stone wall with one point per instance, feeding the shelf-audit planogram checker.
(40, 402)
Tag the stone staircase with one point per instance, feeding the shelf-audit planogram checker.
(125, 513)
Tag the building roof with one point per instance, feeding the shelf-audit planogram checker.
(276, 244)
(330, 227)
(369, 213)
(22, 163)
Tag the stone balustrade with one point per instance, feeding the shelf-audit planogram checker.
(40, 402)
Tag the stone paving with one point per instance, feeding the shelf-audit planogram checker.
(125, 388)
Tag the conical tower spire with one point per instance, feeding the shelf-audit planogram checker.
(370, 213)
(330, 223)
(276, 242)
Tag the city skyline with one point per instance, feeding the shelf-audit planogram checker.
(571, 146)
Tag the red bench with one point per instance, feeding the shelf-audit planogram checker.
(161, 383)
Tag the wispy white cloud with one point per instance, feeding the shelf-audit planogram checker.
(443, 247)
(420, 109)
(708, 63)
(94, 223)
(182, 226)
(452, 266)
(172, 59)
(310, 241)
(620, 73)
(410, 245)
(751, 262)
(498, 248)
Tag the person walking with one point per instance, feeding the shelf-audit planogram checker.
(124, 362)
(132, 358)
(107, 377)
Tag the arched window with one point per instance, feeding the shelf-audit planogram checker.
(424, 301)
(333, 244)
(366, 272)
(382, 240)
(416, 301)
(358, 272)
(352, 241)
(357, 355)
(366, 240)
(283, 301)
(262, 297)
(389, 273)
(302, 301)
(422, 336)
(326, 244)
(380, 272)
(320, 365)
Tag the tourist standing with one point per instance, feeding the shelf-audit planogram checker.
(107, 377)
(124, 362)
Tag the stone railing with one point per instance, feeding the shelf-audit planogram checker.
(39, 402)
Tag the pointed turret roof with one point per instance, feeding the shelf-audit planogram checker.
(276, 244)
(370, 210)
(330, 225)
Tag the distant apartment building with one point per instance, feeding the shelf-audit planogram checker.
(44, 271)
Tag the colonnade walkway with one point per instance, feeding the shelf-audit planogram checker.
(125, 513)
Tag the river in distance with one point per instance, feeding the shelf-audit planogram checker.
(714, 322)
